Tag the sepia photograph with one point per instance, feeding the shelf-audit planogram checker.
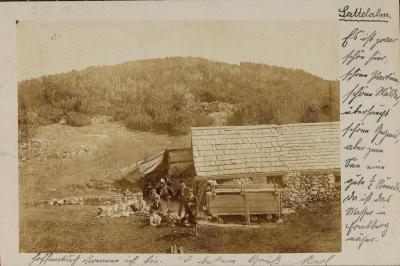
(179, 136)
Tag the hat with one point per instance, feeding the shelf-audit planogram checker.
(162, 180)
(169, 210)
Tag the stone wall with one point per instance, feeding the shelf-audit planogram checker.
(299, 189)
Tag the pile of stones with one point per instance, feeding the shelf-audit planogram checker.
(66, 201)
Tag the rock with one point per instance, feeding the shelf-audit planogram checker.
(322, 190)
(314, 192)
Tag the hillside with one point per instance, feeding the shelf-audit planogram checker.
(170, 95)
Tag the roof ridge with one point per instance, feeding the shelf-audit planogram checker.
(267, 126)
(236, 127)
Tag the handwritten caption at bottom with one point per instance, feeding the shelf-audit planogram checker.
(129, 260)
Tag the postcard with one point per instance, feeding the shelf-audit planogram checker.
(200, 133)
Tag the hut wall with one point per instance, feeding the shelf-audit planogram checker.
(301, 189)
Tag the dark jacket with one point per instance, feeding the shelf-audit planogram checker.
(182, 194)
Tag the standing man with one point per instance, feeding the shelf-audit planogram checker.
(182, 194)
(166, 193)
(191, 211)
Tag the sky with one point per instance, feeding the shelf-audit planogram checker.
(48, 47)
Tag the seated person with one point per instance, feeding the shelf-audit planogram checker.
(157, 207)
(153, 194)
(126, 193)
(155, 219)
(140, 205)
(171, 218)
(120, 209)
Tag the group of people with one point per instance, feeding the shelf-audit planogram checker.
(159, 207)
(125, 206)
(187, 209)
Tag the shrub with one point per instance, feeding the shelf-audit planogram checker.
(206, 96)
(139, 121)
(77, 119)
(260, 111)
(50, 115)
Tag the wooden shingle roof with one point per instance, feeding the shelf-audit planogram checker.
(232, 150)
(313, 146)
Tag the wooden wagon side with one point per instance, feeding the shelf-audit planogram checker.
(243, 200)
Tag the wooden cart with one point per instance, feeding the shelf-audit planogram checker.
(254, 199)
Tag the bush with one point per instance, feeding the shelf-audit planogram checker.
(254, 112)
(139, 121)
(50, 115)
(206, 96)
(77, 119)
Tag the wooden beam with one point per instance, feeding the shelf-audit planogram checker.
(259, 175)
(179, 149)
(182, 161)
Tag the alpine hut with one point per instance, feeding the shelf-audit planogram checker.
(264, 154)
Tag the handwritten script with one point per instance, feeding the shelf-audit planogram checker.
(145, 259)
(369, 98)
